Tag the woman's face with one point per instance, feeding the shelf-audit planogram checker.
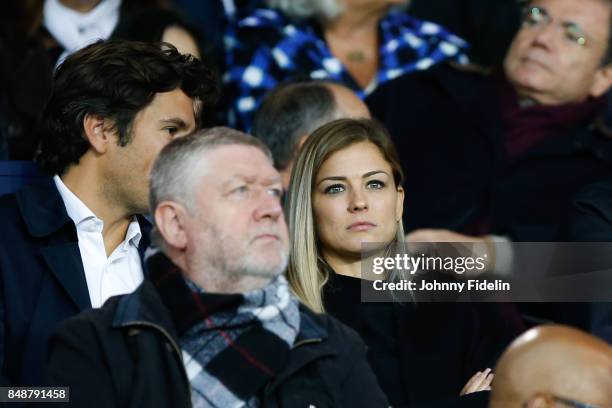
(182, 40)
(355, 200)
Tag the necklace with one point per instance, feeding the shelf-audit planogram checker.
(357, 56)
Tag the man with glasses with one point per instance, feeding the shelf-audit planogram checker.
(554, 366)
(502, 152)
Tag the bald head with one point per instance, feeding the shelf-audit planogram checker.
(292, 111)
(550, 362)
(348, 104)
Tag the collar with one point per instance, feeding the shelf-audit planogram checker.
(42, 208)
(148, 303)
(76, 209)
(82, 216)
(74, 30)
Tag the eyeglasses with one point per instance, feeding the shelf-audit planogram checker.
(538, 17)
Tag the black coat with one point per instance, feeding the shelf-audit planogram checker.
(447, 127)
(42, 280)
(440, 346)
(590, 220)
(126, 355)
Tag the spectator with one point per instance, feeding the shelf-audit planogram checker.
(290, 112)
(551, 366)
(505, 153)
(25, 80)
(211, 18)
(33, 35)
(236, 334)
(77, 237)
(358, 44)
(345, 191)
(73, 24)
(155, 25)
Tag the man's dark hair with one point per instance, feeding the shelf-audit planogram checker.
(116, 80)
(289, 112)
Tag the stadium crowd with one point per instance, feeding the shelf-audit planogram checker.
(191, 192)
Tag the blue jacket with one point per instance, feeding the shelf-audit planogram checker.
(42, 280)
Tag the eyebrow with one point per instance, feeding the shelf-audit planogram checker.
(252, 180)
(178, 122)
(564, 23)
(341, 178)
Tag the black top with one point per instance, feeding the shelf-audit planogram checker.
(374, 323)
(423, 353)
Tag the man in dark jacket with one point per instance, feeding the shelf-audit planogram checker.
(76, 238)
(216, 325)
(505, 153)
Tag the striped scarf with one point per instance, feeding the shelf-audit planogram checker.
(233, 345)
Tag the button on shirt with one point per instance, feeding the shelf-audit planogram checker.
(117, 274)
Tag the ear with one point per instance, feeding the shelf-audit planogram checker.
(97, 133)
(170, 221)
(602, 81)
(399, 205)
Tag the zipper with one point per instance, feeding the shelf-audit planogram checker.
(175, 346)
(307, 341)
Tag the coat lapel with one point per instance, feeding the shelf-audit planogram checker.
(65, 263)
(48, 222)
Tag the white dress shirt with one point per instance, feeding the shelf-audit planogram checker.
(118, 274)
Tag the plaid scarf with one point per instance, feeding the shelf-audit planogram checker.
(233, 345)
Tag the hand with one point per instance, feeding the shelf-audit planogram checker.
(481, 381)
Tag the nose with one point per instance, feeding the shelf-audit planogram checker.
(268, 207)
(358, 201)
(545, 35)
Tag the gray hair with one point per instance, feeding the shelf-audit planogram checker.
(303, 9)
(291, 111)
(173, 176)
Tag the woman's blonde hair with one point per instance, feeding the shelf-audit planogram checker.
(308, 272)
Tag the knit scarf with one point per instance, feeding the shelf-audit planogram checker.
(525, 127)
(74, 30)
(232, 345)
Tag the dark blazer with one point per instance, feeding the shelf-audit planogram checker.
(42, 280)
(447, 126)
(440, 346)
(326, 367)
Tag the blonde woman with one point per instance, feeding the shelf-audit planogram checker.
(346, 189)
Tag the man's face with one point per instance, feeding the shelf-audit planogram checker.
(170, 115)
(239, 228)
(556, 56)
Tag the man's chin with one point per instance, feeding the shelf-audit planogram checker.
(267, 267)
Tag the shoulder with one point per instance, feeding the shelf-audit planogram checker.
(440, 76)
(264, 24)
(89, 323)
(344, 339)
(444, 85)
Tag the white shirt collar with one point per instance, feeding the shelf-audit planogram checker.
(81, 214)
(76, 209)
